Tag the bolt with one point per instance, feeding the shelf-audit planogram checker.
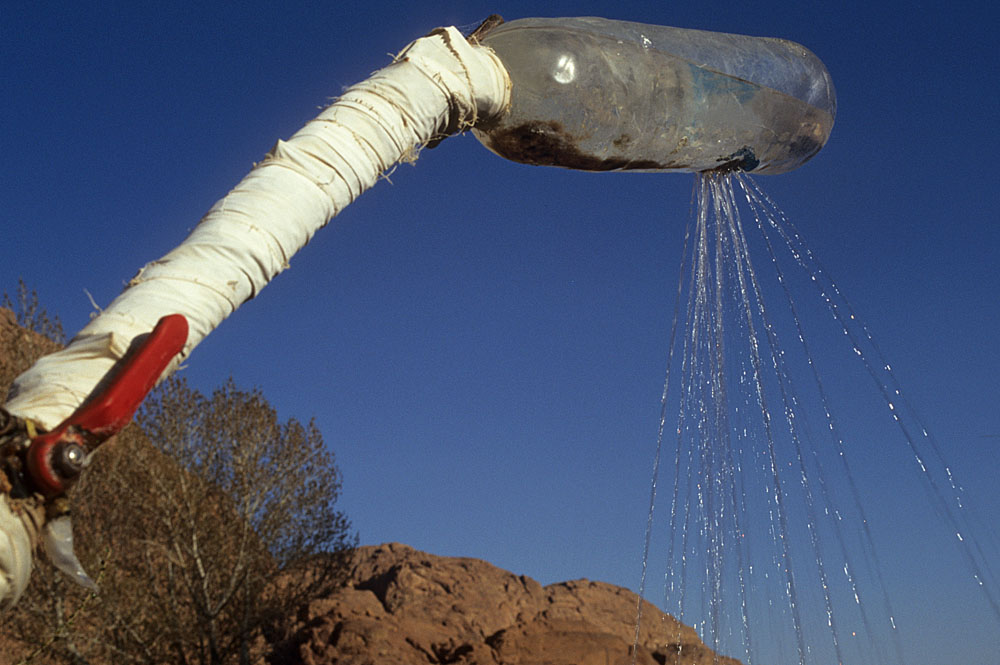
(68, 459)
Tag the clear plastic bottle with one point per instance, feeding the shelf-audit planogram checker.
(601, 95)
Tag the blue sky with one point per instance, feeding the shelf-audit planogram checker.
(482, 343)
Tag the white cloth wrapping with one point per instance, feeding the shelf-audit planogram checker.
(437, 84)
(15, 555)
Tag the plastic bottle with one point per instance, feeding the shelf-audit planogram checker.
(602, 95)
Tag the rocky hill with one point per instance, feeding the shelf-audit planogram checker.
(407, 607)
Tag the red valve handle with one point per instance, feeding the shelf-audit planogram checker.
(102, 417)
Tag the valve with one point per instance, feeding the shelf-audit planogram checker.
(54, 460)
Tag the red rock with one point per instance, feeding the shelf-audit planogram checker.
(407, 607)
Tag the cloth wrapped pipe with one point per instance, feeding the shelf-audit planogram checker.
(438, 85)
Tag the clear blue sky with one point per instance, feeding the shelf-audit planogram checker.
(482, 343)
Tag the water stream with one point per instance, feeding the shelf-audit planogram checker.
(768, 544)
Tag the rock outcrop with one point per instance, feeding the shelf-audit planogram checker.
(406, 607)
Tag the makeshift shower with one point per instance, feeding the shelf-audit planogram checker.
(581, 93)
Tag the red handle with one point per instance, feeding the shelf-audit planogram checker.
(113, 408)
(109, 411)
